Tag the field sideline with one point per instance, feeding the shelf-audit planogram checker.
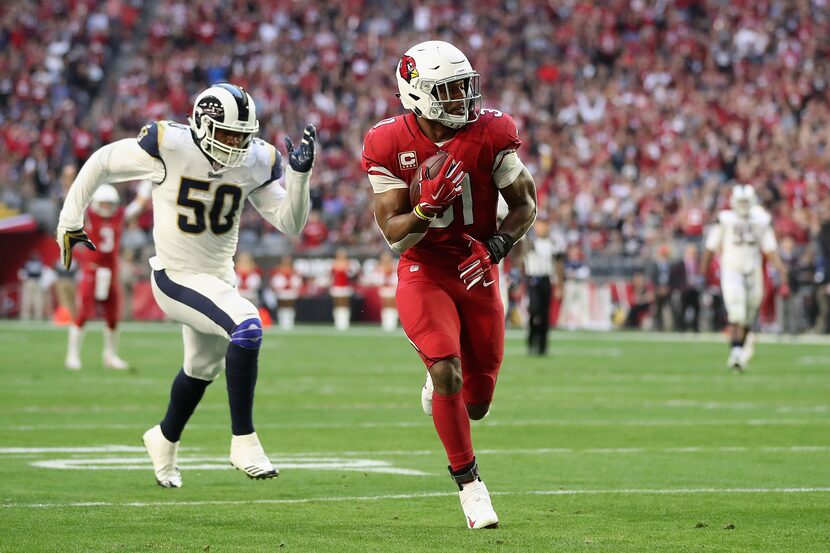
(616, 442)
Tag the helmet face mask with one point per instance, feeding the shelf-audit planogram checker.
(224, 121)
(437, 82)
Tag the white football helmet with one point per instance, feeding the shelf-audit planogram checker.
(105, 200)
(742, 199)
(228, 108)
(424, 75)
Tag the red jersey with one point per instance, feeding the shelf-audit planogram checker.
(340, 277)
(286, 280)
(105, 233)
(397, 147)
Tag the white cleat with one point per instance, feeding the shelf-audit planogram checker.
(735, 361)
(248, 456)
(163, 453)
(114, 362)
(475, 502)
(73, 363)
(426, 395)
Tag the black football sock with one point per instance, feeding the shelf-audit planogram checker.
(184, 397)
(241, 367)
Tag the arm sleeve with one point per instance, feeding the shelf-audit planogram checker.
(285, 208)
(714, 238)
(117, 162)
(768, 241)
(507, 167)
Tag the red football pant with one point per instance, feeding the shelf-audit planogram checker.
(443, 319)
(89, 306)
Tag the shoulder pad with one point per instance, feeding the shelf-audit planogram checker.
(760, 215)
(150, 137)
(500, 128)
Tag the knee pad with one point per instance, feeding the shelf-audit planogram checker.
(247, 334)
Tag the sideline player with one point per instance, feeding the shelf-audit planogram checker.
(203, 174)
(448, 294)
(99, 287)
(741, 235)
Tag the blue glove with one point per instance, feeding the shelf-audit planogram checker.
(302, 158)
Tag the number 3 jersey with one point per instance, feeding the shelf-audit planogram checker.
(105, 233)
(394, 149)
(196, 209)
(741, 240)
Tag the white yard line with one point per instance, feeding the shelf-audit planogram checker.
(628, 491)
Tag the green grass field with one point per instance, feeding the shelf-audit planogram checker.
(616, 442)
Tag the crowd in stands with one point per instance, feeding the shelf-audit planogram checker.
(635, 114)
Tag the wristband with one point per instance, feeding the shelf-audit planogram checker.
(421, 215)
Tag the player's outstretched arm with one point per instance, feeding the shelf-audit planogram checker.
(301, 158)
(287, 208)
(117, 162)
(521, 212)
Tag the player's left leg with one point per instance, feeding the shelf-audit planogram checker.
(112, 314)
(754, 297)
(482, 350)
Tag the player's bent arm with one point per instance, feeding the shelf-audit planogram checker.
(285, 208)
(705, 261)
(521, 205)
(116, 162)
(712, 246)
(396, 219)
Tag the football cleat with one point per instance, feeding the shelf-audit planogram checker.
(73, 363)
(477, 507)
(114, 362)
(748, 350)
(426, 395)
(248, 456)
(735, 361)
(163, 453)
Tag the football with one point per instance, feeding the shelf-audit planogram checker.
(432, 165)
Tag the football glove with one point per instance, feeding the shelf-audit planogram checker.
(498, 246)
(67, 239)
(784, 290)
(477, 265)
(302, 158)
(438, 193)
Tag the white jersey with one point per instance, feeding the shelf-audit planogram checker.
(742, 240)
(196, 209)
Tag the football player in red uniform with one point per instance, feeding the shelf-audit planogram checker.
(99, 288)
(448, 293)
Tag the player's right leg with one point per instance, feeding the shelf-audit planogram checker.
(212, 307)
(86, 310)
(735, 300)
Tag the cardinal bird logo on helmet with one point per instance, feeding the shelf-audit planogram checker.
(407, 68)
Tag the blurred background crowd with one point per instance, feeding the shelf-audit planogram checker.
(635, 116)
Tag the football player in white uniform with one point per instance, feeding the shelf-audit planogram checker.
(741, 235)
(203, 174)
